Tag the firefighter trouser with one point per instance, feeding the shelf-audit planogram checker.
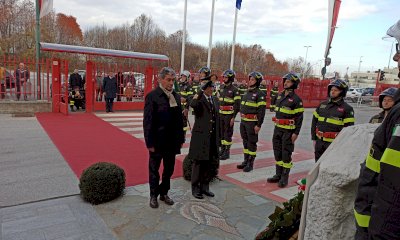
(320, 148)
(249, 136)
(185, 123)
(283, 147)
(226, 129)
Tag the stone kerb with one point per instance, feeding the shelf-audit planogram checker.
(331, 197)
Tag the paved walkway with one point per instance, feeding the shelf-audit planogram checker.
(39, 194)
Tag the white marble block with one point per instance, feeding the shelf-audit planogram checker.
(331, 198)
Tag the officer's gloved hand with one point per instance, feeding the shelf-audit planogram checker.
(207, 84)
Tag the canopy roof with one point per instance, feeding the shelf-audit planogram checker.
(54, 47)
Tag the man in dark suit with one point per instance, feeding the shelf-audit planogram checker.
(205, 139)
(163, 133)
(110, 91)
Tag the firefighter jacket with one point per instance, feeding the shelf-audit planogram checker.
(273, 94)
(185, 90)
(229, 99)
(195, 87)
(263, 88)
(253, 104)
(331, 117)
(242, 89)
(379, 185)
(378, 118)
(289, 107)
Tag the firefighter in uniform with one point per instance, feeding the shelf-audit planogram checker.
(263, 87)
(377, 204)
(288, 119)
(252, 112)
(273, 94)
(330, 117)
(229, 99)
(242, 87)
(185, 90)
(386, 102)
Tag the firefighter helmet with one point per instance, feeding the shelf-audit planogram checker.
(294, 78)
(342, 85)
(230, 74)
(207, 71)
(257, 76)
(387, 92)
(186, 73)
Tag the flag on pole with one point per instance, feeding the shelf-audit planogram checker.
(238, 4)
(45, 6)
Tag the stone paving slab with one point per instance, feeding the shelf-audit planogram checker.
(234, 213)
(64, 218)
(32, 168)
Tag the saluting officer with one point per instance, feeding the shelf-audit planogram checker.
(252, 111)
(205, 139)
(330, 117)
(229, 99)
(273, 94)
(288, 119)
(386, 102)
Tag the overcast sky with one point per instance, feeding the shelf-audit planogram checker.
(283, 27)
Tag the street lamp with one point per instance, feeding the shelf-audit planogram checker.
(305, 60)
(358, 75)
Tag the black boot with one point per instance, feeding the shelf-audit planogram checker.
(250, 163)
(72, 108)
(222, 151)
(283, 182)
(277, 176)
(244, 163)
(225, 154)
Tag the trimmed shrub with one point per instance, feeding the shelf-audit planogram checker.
(187, 169)
(102, 182)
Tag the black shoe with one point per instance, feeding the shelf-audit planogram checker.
(208, 193)
(274, 179)
(198, 195)
(166, 199)
(153, 202)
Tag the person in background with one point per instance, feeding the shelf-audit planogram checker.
(98, 86)
(120, 83)
(229, 99)
(386, 102)
(110, 90)
(330, 117)
(205, 139)
(185, 90)
(273, 94)
(163, 134)
(288, 120)
(21, 79)
(252, 113)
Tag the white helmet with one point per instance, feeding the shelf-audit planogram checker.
(186, 73)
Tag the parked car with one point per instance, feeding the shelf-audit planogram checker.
(354, 94)
(8, 78)
(368, 92)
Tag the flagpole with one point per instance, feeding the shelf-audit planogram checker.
(183, 39)
(211, 31)
(234, 39)
(37, 36)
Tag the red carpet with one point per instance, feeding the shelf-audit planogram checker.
(84, 139)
